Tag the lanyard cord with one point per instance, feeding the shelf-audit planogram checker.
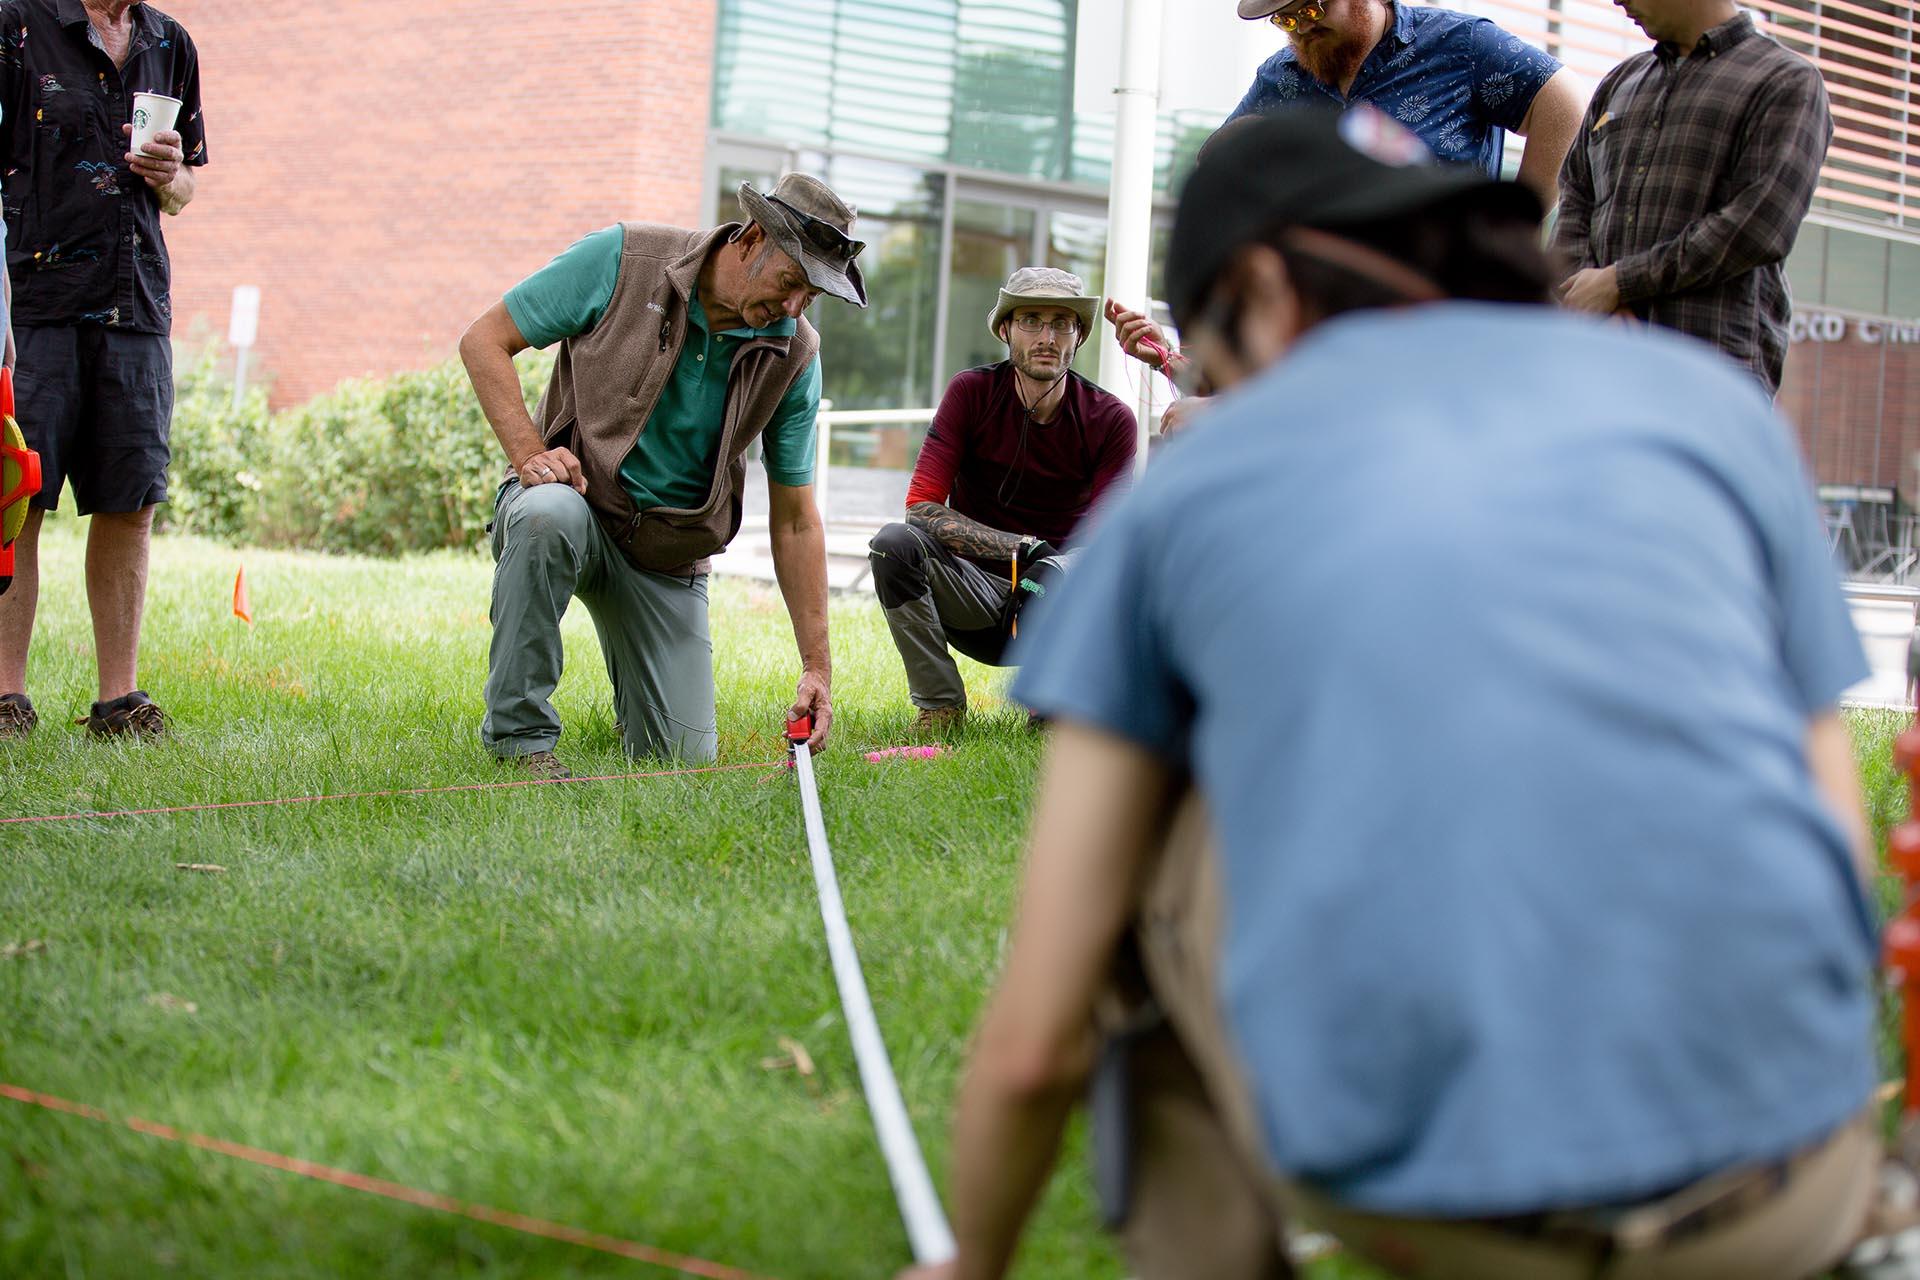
(1015, 476)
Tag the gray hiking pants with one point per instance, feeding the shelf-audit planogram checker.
(933, 600)
(548, 549)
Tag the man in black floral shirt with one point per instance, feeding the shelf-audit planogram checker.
(91, 311)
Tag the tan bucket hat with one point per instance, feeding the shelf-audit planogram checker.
(1252, 9)
(813, 226)
(1045, 287)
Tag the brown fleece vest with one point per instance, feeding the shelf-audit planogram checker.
(607, 381)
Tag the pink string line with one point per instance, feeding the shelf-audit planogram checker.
(394, 1191)
(408, 791)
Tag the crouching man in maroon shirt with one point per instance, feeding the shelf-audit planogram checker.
(1018, 454)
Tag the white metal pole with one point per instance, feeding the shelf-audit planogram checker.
(239, 378)
(243, 328)
(1130, 194)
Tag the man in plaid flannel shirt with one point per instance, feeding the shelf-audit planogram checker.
(1686, 186)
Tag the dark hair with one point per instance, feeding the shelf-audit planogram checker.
(1471, 252)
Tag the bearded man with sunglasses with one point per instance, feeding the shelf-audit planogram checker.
(678, 348)
(1458, 82)
(1018, 454)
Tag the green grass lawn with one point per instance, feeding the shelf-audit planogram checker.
(552, 1000)
(560, 1001)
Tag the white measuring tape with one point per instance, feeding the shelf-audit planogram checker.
(926, 1221)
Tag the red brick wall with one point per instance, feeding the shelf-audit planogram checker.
(385, 169)
(1857, 407)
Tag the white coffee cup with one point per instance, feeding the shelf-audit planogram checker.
(152, 112)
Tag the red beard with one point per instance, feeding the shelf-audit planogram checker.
(1331, 57)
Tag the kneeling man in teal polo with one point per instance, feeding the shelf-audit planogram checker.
(678, 349)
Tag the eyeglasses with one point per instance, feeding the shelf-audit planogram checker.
(1066, 326)
(824, 236)
(1300, 15)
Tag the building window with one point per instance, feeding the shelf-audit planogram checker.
(981, 83)
(1856, 272)
(879, 357)
(1807, 266)
(1903, 280)
(990, 239)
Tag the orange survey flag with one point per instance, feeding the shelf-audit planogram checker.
(242, 602)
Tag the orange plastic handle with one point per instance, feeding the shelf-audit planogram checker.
(29, 464)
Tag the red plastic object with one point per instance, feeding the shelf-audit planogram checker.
(1900, 953)
(14, 454)
(1903, 852)
(1900, 941)
(30, 475)
(1906, 750)
(1900, 947)
(800, 730)
(930, 752)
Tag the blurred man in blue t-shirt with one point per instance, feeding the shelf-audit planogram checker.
(1513, 925)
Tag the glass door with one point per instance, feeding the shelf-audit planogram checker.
(990, 240)
(996, 230)
(1077, 242)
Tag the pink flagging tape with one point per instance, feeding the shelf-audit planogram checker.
(394, 1191)
(407, 791)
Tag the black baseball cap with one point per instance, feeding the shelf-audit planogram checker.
(1311, 166)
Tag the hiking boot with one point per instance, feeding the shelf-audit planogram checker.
(17, 716)
(543, 765)
(132, 715)
(939, 722)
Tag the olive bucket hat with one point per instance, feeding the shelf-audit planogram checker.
(813, 226)
(1044, 287)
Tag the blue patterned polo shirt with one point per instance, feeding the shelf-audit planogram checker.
(1456, 80)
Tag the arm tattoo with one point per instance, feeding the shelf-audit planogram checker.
(962, 536)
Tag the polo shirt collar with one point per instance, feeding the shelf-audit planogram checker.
(784, 327)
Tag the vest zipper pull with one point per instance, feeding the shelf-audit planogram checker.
(665, 330)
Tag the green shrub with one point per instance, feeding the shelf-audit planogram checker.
(405, 463)
(214, 481)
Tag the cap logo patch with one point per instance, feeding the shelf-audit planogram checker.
(1377, 135)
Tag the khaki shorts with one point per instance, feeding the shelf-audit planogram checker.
(1203, 1203)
